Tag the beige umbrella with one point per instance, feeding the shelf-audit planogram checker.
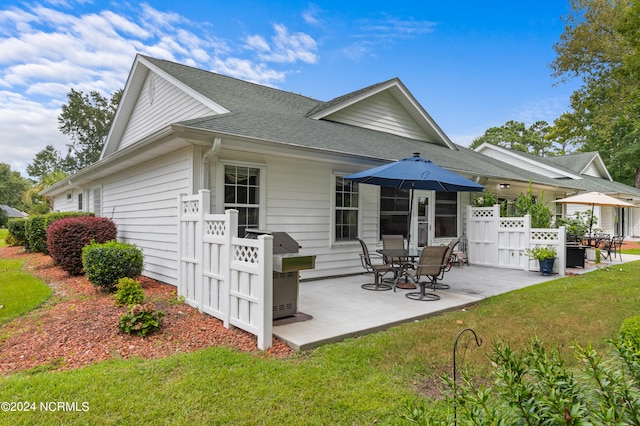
(594, 199)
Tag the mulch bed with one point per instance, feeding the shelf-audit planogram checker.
(77, 326)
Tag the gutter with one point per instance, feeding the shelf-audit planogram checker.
(206, 157)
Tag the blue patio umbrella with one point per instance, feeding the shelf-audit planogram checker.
(415, 173)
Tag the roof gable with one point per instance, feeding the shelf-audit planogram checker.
(386, 107)
(526, 162)
(153, 99)
(584, 163)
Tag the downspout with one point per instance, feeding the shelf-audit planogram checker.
(215, 147)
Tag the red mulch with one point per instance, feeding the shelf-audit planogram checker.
(78, 325)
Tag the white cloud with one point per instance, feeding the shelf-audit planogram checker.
(46, 49)
(285, 47)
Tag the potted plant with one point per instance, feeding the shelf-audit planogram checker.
(545, 256)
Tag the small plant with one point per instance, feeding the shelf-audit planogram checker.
(541, 252)
(129, 292)
(104, 264)
(141, 320)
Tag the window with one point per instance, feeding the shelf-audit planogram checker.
(97, 201)
(242, 193)
(446, 214)
(394, 208)
(346, 219)
(80, 202)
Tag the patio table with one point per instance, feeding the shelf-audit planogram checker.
(410, 254)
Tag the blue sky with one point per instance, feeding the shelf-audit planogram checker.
(472, 65)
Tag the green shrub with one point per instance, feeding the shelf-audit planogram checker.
(630, 332)
(104, 264)
(129, 292)
(66, 238)
(534, 387)
(141, 320)
(17, 232)
(36, 229)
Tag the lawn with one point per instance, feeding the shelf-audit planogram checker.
(362, 380)
(20, 292)
(3, 234)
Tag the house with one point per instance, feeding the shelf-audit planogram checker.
(278, 158)
(581, 172)
(12, 213)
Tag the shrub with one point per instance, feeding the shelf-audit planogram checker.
(66, 238)
(630, 332)
(36, 229)
(104, 264)
(129, 292)
(534, 387)
(17, 232)
(141, 320)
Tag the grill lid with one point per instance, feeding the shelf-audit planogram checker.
(282, 242)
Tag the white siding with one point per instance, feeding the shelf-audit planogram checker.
(383, 113)
(143, 204)
(592, 170)
(299, 202)
(160, 103)
(66, 202)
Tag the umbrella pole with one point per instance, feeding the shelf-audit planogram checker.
(409, 216)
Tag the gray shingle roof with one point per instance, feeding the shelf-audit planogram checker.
(265, 113)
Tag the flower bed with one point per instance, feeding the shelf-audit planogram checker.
(79, 325)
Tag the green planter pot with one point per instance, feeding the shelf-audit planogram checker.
(546, 266)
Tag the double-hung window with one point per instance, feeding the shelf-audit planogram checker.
(242, 193)
(346, 209)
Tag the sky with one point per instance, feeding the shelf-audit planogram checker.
(472, 65)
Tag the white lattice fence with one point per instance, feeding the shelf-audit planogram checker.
(502, 242)
(228, 277)
(513, 237)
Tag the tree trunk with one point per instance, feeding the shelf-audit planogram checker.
(636, 181)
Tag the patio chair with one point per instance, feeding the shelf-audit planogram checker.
(449, 259)
(394, 242)
(427, 271)
(612, 247)
(378, 269)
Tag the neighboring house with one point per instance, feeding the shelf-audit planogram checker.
(11, 212)
(279, 158)
(583, 172)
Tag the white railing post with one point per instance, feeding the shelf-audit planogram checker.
(562, 250)
(527, 239)
(265, 299)
(231, 232)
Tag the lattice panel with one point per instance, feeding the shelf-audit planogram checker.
(544, 236)
(245, 254)
(214, 228)
(511, 224)
(481, 212)
(190, 207)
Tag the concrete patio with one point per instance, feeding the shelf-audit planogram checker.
(341, 309)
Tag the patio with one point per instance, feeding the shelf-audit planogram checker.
(341, 309)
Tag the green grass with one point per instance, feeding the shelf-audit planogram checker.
(20, 292)
(3, 234)
(359, 381)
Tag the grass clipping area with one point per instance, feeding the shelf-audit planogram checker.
(365, 380)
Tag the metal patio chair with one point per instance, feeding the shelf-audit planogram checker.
(611, 248)
(378, 269)
(427, 271)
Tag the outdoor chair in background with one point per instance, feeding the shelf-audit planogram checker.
(394, 242)
(378, 269)
(612, 247)
(427, 271)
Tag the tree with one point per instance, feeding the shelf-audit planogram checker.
(86, 119)
(516, 136)
(36, 203)
(46, 162)
(597, 46)
(12, 185)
